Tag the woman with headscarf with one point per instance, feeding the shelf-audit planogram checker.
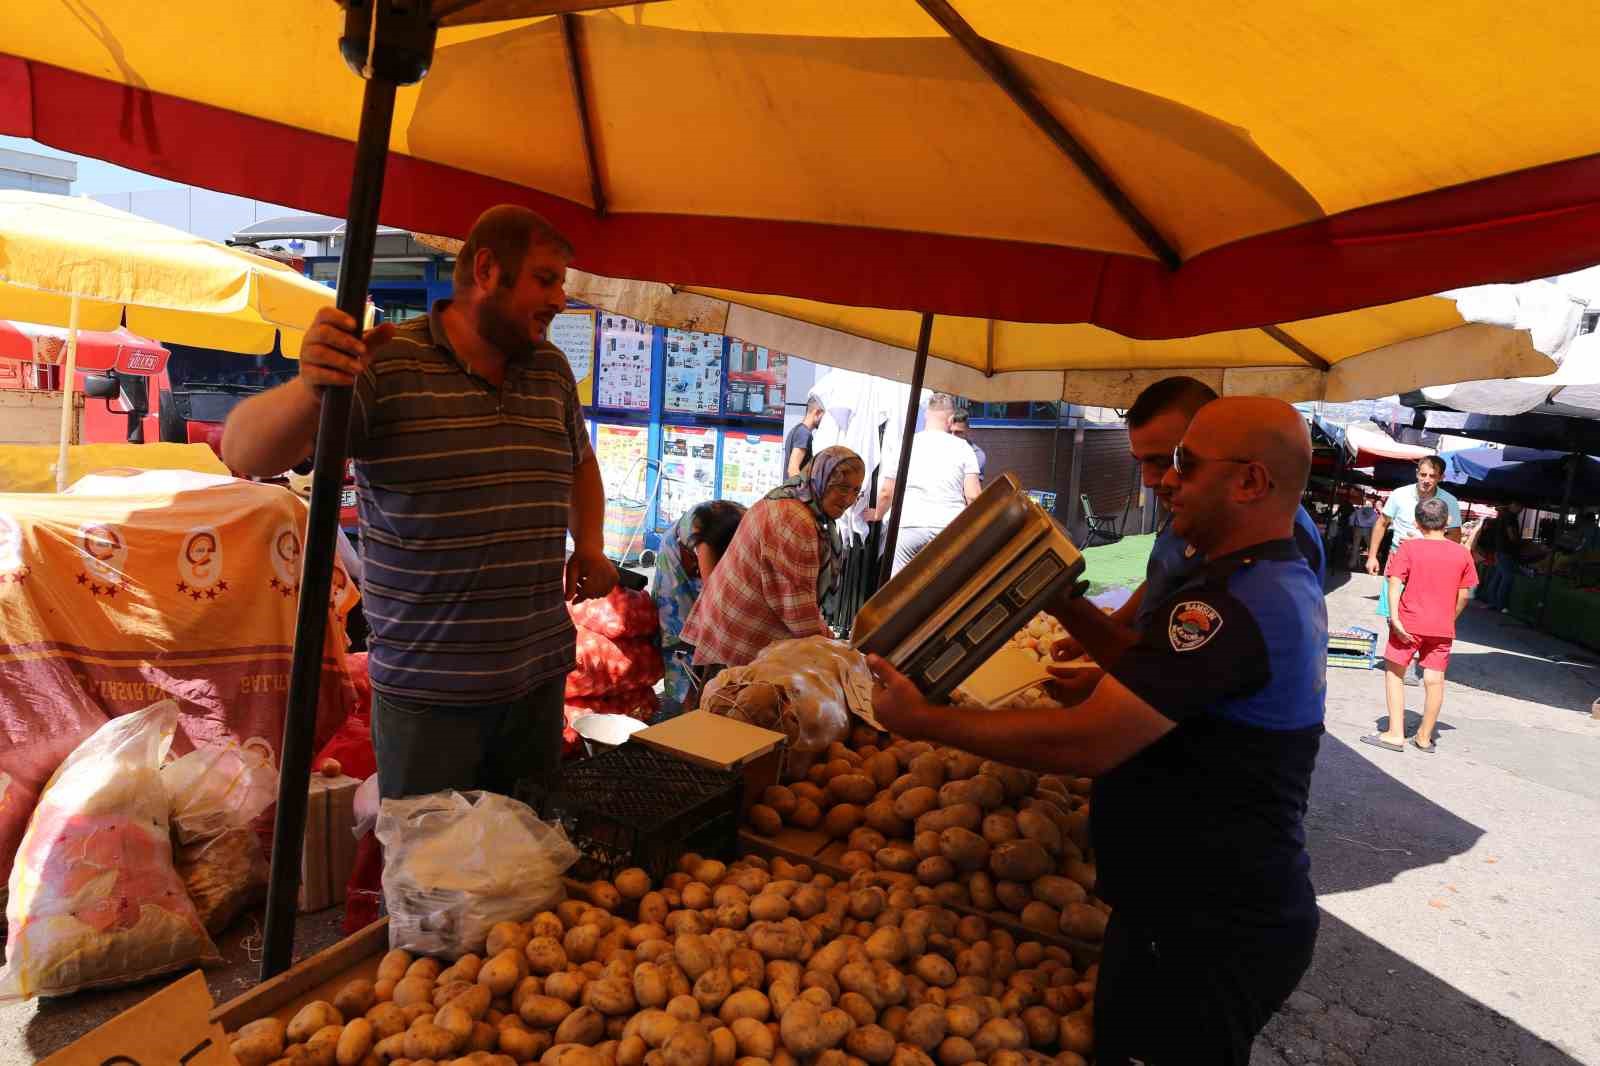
(689, 554)
(781, 564)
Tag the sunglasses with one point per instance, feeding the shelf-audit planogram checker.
(1185, 462)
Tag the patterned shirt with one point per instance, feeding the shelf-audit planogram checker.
(465, 491)
(763, 590)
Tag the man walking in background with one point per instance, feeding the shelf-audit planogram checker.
(473, 463)
(1430, 580)
(941, 481)
(961, 426)
(1362, 521)
(797, 445)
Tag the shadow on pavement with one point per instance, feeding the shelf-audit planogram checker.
(1413, 720)
(1365, 828)
(1361, 1003)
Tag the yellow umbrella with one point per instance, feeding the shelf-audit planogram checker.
(74, 262)
(1371, 352)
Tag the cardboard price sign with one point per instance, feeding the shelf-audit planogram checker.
(171, 1028)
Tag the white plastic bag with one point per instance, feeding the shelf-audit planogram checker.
(806, 689)
(95, 899)
(456, 863)
(217, 788)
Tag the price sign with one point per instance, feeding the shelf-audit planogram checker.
(171, 1028)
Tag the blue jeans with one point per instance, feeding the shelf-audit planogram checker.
(423, 748)
(1501, 581)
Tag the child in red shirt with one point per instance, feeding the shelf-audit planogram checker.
(1431, 578)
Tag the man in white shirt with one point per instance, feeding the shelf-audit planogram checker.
(1400, 512)
(941, 480)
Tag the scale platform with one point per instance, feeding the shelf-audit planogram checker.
(975, 584)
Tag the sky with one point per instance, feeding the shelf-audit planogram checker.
(94, 177)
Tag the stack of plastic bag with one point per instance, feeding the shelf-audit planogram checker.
(456, 863)
(216, 793)
(805, 689)
(619, 657)
(95, 899)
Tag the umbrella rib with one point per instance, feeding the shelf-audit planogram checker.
(1309, 357)
(580, 95)
(988, 57)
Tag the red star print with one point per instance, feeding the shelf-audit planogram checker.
(94, 589)
(111, 590)
(211, 594)
(196, 595)
(182, 587)
(222, 586)
(83, 579)
(272, 582)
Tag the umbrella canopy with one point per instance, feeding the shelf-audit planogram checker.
(1498, 475)
(1572, 391)
(1376, 351)
(98, 351)
(156, 280)
(1158, 176)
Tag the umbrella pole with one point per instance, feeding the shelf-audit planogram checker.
(396, 42)
(69, 372)
(907, 432)
(1550, 561)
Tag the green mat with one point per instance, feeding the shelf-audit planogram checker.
(1119, 565)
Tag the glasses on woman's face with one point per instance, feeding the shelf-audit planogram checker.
(844, 493)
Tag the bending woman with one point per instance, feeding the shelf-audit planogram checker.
(784, 560)
(689, 553)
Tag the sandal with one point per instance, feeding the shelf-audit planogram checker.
(1377, 741)
(1430, 749)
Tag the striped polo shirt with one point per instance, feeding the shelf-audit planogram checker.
(464, 495)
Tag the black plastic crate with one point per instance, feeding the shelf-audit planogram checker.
(635, 806)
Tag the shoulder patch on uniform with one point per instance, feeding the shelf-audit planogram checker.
(1192, 624)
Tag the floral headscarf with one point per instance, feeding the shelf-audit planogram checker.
(808, 487)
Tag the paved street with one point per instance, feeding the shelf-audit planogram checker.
(1461, 915)
(1461, 911)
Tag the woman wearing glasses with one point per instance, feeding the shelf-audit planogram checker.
(782, 562)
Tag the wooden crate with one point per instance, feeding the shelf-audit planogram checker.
(29, 416)
(318, 977)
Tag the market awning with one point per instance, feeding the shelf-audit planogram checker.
(1367, 445)
(1158, 176)
(98, 350)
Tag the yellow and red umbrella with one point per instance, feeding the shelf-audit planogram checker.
(1158, 170)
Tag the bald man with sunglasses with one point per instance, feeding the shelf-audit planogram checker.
(1201, 738)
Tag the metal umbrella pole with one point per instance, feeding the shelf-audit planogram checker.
(908, 431)
(389, 43)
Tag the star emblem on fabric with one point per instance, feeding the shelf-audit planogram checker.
(183, 587)
(196, 595)
(83, 579)
(222, 586)
(211, 594)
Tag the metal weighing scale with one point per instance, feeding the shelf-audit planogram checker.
(969, 590)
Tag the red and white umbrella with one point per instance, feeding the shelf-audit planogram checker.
(98, 351)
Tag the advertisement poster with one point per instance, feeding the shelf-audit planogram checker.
(694, 372)
(620, 451)
(752, 466)
(688, 470)
(573, 333)
(756, 380)
(624, 363)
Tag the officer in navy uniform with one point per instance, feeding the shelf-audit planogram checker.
(1201, 739)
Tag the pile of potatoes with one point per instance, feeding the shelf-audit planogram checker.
(958, 830)
(748, 965)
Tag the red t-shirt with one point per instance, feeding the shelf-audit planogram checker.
(1433, 572)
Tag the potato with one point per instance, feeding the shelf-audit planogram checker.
(807, 901)
(746, 1003)
(567, 1055)
(779, 799)
(444, 993)
(962, 1019)
(456, 1021)
(986, 793)
(924, 1027)
(753, 1038)
(475, 1000)
(955, 1051)
(880, 816)
(424, 1040)
(1035, 826)
(505, 936)
(583, 1026)
(765, 820)
(580, 943)
(323, 1047)
(906, 1055)
(1040, 917)
(841, 820)
(566, 986)
(999, 827)
(897, 858)
(965, 849)
(778, 940)
(935, 970)
(309, 1019)
(769, 907)
(544, 1012)
(960, 764)
(689, 1045)
(935, 870)
(394, 965)
(520, 1044)
(1083, 921)
(807, 815)
(1041, 1025)
(1000, 1034)
(1019, 860)
(915, 802)
(1013, 895)
(928, 769)
(871, 1044)
(653, 908)
(854, 788)
(610, 996)
(259, 1042)
(980, 891)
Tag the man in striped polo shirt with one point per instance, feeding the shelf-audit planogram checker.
(473, 463)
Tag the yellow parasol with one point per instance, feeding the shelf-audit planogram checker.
(74, 262)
